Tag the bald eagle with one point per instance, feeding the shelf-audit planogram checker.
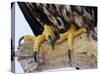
(56, 23)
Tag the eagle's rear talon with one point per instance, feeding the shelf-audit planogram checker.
(52, 42)
(49, 35)
(77, 68)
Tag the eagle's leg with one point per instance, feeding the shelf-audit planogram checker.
(70, 35)
(47, 35)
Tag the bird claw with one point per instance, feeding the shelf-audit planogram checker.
(38, 58)
(52, 42)
(69, 56)
(35, 56)
(77, 68)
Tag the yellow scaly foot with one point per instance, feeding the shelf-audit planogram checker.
(69, 36)
(47, 35)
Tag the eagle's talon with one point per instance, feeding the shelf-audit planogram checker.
(52, 42)
(69, 56)
(35, 56)
(77, 68)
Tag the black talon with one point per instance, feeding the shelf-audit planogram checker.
(20, 40)
(77, 68)
(69, 55)
(35, 56)
(52, 42)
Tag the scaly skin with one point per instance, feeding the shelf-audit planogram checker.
(48, 32)
(29, 38)
(70, 35)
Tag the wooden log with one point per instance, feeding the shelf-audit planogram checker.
(85, 54)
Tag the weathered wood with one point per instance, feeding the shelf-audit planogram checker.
(85, 55)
